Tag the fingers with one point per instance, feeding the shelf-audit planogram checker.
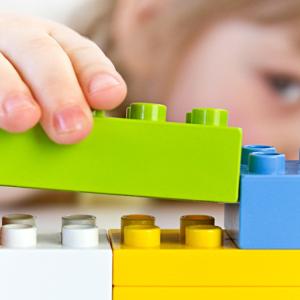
(66, 117)
(102, 85)
(18, 110)
(54, 75)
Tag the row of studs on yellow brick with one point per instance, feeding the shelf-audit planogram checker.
(196, 231)
(137, 231)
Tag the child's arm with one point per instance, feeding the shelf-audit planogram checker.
(52, 75)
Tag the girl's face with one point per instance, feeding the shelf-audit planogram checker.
(251, 70)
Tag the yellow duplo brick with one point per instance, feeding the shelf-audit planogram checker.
(188, 220)
(141, 236)
(226, 293)
(136, 220)
(174, 264)
(203, 236)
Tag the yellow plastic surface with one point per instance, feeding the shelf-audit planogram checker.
(142, 236)
(136, 219)
(203, 236)
(174, 264)
(189, 293)
(189, 220)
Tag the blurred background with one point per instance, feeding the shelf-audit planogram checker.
(241, 55)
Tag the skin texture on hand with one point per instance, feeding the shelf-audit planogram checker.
(52, 75)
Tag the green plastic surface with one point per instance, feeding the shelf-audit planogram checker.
(209, 116)
(147, 111)
(148, 157)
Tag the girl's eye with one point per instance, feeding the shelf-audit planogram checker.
(286, 87)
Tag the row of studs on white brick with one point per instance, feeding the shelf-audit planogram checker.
(20, 231)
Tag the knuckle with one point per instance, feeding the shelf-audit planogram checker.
(42, 43)
(90, 44)
(79, 50)
(91, 51)
(84, 45)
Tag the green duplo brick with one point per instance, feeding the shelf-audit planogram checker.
(142, 155)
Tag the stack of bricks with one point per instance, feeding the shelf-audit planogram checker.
(257, 255)
(139, 261)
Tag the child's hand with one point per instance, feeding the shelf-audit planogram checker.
(51, 74)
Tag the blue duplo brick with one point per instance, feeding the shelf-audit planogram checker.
(268, 213)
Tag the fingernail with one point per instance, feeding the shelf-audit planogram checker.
(103, 82)
(16, 104)
(69, 120)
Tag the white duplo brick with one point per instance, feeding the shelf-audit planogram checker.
(51, 271)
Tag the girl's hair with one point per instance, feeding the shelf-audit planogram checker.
(168, 35)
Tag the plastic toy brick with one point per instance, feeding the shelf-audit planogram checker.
(227, 293)
(141, 155)
(44, 266)
(194, 258)
(267, 216)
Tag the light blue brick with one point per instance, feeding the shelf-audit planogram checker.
(268, 213)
